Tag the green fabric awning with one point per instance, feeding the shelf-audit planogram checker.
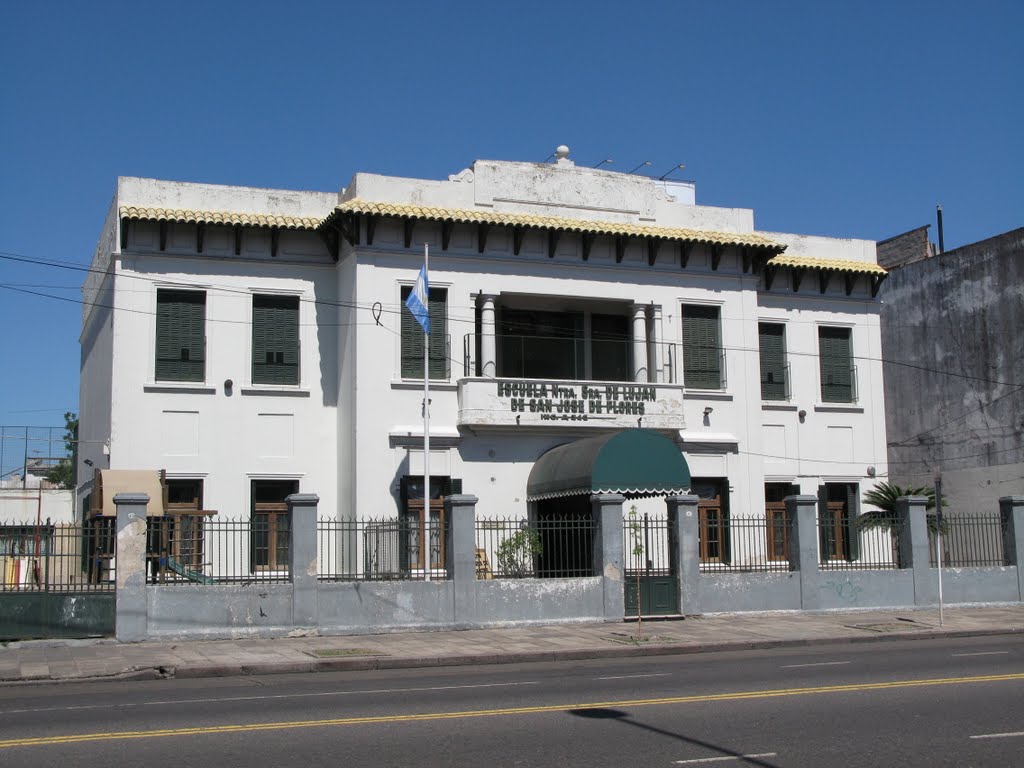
(635, 461)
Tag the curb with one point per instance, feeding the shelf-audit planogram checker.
(373, 663)
(185, 672)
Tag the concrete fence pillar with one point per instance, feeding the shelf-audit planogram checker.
(460, 509)
(912, 524)
(1011, 508)
(608, 562)
(802, 538)
(302, 508)
(130, 604)
(685, 521)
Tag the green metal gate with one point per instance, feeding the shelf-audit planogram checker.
(651, 572)
(56, 579)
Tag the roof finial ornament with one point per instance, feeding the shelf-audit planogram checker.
(562, 157)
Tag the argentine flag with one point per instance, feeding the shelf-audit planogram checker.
(417, 301)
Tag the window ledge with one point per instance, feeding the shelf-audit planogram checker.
(275, 391)
(706, 394)
(778, 405)
(435, 384)
(839, 408)
(194, 388)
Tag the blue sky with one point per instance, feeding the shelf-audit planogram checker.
(842, 119)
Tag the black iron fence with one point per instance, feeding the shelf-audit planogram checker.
(866, 543)
(384, 549)
(744, 544)
(548, 547)
(648, 544)
(194, 549)
(968, 540)
(56, 557)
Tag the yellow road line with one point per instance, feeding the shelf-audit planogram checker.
(77, 738)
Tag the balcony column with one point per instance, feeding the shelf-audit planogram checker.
(640, 342)
(654, 341)
(488, 349)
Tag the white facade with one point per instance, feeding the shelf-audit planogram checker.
(351, 429)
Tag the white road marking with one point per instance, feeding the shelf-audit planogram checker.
(262, 698)
(982, 653)
(816, 664)
(630, 677)
(723, 759)
(998, 735)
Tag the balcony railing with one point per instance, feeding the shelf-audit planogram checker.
(838, 383)
(705, 368)
(775, 385)
(567, 358)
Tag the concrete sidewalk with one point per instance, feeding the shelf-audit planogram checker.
(65, 660)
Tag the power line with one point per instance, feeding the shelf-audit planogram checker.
(393, 309)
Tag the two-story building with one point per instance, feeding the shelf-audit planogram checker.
(254, 343)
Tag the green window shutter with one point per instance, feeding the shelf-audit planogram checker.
(702, 362)
(836, 365)
(412, 337)
(826, 534)
(850, 522)
(772, 351)
(275, 340)
(180, 335)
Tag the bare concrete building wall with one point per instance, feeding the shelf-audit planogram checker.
(953, 346)
(905, 249)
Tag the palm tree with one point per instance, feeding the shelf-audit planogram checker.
(884, 497)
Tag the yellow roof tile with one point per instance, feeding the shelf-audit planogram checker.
(218, 217)
(834, 265)
(461, 215)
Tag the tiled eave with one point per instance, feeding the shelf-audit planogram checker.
(356, 220)
(165, 216)
(825, 269)
(182, 216)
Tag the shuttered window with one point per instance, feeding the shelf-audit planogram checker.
(412, 337)
(275, 339)
(772, 347)
(702, 347)
(835, 358)
(180, 335)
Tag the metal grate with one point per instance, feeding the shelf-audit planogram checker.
(968, 541)
(57, 557)
(548, 547)
(193, 549)
(647, 545)
(381, 549)
(869, 542)
(746, 544)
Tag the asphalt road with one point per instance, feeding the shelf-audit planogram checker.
(923, 703)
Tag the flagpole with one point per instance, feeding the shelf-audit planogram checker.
(426, 545)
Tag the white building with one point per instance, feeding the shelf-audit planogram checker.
(254, 342)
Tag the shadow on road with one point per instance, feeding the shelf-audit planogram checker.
(599, 713)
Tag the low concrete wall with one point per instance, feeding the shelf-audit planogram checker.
(215, 612)
(538, 601)
(385, 606)
(979, 585)
(728, 592)
(860, 589)
(30, 614)
(462, 601)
